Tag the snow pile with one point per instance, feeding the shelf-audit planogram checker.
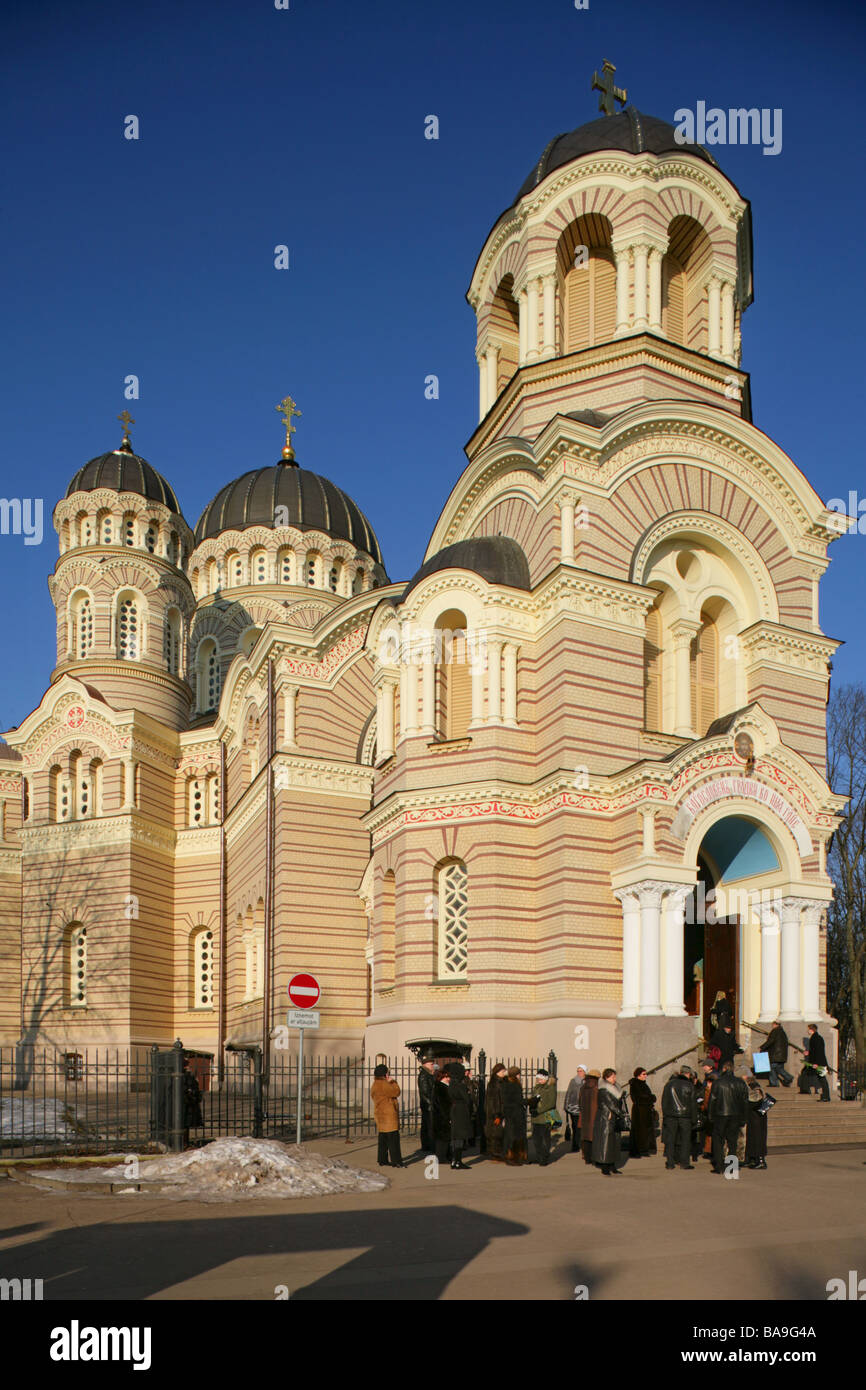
(26, 1119)
(231, 1168)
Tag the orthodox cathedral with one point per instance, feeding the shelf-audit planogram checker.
(555, 790)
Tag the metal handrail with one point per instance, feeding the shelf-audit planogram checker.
(652, 1070)
(766, 1032)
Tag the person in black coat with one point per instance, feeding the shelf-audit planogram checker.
(642, 1140)
(756, 1129)
(426, 1083)
(816, 1056)
(460, 1113)
(679, 1118)
(192, 1116)
(442, 1116)
(724, 1040)
(515, 1119)
(723, 1011)
(776, 1048)
(494, 1115)
(609, 1118)
(728, 1107)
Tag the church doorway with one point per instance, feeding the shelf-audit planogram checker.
(711, 955)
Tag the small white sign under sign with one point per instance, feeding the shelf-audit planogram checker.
(303, 1018)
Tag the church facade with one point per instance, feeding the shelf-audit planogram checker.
(554, 791)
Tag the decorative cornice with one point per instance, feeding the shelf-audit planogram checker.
(197, 841)
(98, 833)
(10, 862)
(788, 648)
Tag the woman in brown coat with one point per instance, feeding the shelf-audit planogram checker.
(588, 1108)
(384, 1093)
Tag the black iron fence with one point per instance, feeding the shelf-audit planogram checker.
(852, 1080)
(109, 1101)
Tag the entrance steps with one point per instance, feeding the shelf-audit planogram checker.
(800, 1122)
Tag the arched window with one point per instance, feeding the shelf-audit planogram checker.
(452, 904)
(453, 677)
(196, 802)
(286, 567)
(213, 799)
(673, 299)
(64, 536)
(129, 529)
(128, 632)
(652, 649)
(587, 276)
(312, 570)
(171, 641)
(151, 536)
(173, 548)
(105, 528)
(90, 795)
(212, 576)
(334, 577)
(234, 568)
(84, 529)
(58, 803)
(82, 625)
(504, 332)
(76, 936)
(259, 566)
(208, 675)
(705, 675)
(685, 271)
(358, 582)
(203, 968)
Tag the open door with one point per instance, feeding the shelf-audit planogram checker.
(721, 966)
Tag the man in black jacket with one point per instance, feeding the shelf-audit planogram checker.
(724, 1040)
(776, 1048)
(679, 1117)
(817, 1057)
(728, 1110)
(426, 1083)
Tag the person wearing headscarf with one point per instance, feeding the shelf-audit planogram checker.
(572, 1106)
(642, 1141)
(384, 1093)
(606, 1131)
(756, 1129)
(515, 1119)
(543, 1111)
(588, 1106)
(460, 1113)
(494, 1118)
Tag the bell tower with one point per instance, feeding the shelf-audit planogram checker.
(618, 275)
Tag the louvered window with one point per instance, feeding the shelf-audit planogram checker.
(673, 299)
(705, 674)
(590, 302)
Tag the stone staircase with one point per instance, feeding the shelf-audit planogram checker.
(798, 1123)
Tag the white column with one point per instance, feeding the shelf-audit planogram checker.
(482, 385)
(494, 682)
(128, 786)
(428, 696)
(728, 321)
(477, 694)
(510, 685)
(655, 290)
(522, 327)
(630, 952)
(640, 274)
(650, 895)
(492, 374)
(790, 966)
(566, 545)
(683, 632)
(811, 960)
(769, 965)
(549, 315)
(290, 701)
(672, 987)
(621, 258)
(410, 716)
(386, 728)
(714, 319)
(532, 310)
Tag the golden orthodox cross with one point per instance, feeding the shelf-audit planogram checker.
(126, 420)
(609, 93)
(288, 409)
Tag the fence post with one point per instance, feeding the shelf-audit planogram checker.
(482, 1063)
(551, 1062)
(177, 1126)
(346, 1060)
(258, 1096)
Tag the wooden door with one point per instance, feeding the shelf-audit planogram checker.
(721, 966)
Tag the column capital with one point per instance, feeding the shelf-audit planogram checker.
(684, 630)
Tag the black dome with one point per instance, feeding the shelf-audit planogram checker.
(498, 559)
(628, 130)
(312, 504)
(124, 471)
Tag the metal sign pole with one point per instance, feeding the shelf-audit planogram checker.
(300, 1079)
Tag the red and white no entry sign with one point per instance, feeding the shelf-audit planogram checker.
(304, 991)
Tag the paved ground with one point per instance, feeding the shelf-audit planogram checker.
(493, 1232)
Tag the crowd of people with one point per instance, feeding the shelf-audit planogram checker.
(713, 1114)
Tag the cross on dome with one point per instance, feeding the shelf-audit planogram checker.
(609, 92)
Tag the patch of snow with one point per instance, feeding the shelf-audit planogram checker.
(230, 1168)
(22, 1117)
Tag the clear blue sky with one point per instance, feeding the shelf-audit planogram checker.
(306, 127)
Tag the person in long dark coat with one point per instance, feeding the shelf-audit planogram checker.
(817, 1057)
(588, 1106)
(572, 1107)
(494, 1118)
(724, 1040)
(192, 1116)
(642, 1140)
(442, 1117)
(756, 1129)
(606, 1146)
(426, 1083)
(515, 1118)
(723, 1011)
(460, 1113)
